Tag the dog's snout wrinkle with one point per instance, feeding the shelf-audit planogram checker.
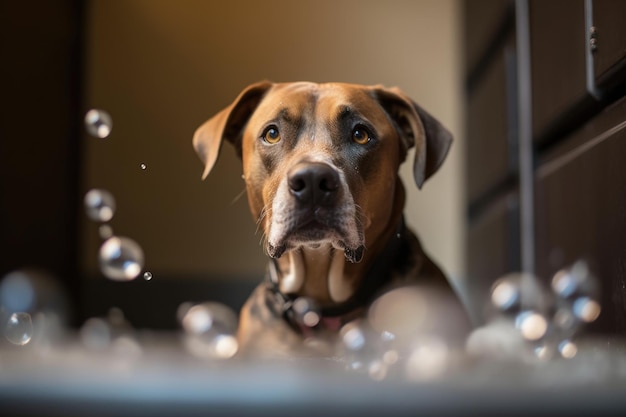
(314, 183)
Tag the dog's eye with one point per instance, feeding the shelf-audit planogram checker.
(271, 135)
(360, 135)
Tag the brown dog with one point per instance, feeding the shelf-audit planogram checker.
(320, 163)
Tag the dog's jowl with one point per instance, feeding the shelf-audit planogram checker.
(320, 163)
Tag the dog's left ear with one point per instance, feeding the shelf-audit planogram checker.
(416, 128)
(227, 124)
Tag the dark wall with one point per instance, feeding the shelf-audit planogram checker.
(40, 76)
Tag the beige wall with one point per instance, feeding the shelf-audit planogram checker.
(162, 67)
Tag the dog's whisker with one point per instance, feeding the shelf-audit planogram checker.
(264, 212)
(238, 196)
(361, 217)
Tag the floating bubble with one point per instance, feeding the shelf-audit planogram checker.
(563, 283)
(365, 349)
(586, 309)
(353, 336)
(19, 329)
(498, 339)
(95, 333)
(98, 123)
(143, 166)
(18, 292)
(126, 345)
(565, 320)
(575, 281)
(506, 294)
(31, 291)
(428, 359)
(568, 349)
(100, 205)
(319, 345)
(408, 311)
(355, 365)
(210, 330)
(182, 309)
(391, 357)
(209, 316)
(543, 352)
(115, 316)
(387, 336)
(147, 275)
(121, 258)
(532, 325)
(113, 333)
(401, 312)
(377, 370)
(32, 306)
(105, 231)
(516, 291)
(306, 312)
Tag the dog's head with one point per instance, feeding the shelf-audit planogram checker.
(320, 161)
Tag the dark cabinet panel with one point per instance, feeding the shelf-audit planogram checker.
(492, 249)
(483, 20)
(609, 56)
(577, 206)
(580, 210)
(558, 66)
(491, 152)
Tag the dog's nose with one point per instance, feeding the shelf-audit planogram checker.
(313, 183)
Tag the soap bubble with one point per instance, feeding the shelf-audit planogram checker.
(353, 336)
(532, 325)
(586, 309)
(210, 330)
(30, 291)
(391, 356)
(575, 281)
(32, 306)
(543, 351)
(546, 318)
(563, 283)
(98, 123)
(95, 333)
(516, 292)
(147, 275)
(143, 166)
(377, 369)
(565, 320)
(105, 231)
(306, 312)
(112, 332)
(367, 350)
(402, 312)
(100, 205)
(506, 294)
(567, 349)
(121, 258)
(406, 312)
(428, 359)
(19, 329)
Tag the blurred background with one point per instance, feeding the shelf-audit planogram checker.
(534, 180)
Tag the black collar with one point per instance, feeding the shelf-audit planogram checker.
(379, 274)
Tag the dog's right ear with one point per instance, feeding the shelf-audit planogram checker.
(227, 124)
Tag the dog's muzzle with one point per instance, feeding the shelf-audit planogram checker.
(314, 208)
